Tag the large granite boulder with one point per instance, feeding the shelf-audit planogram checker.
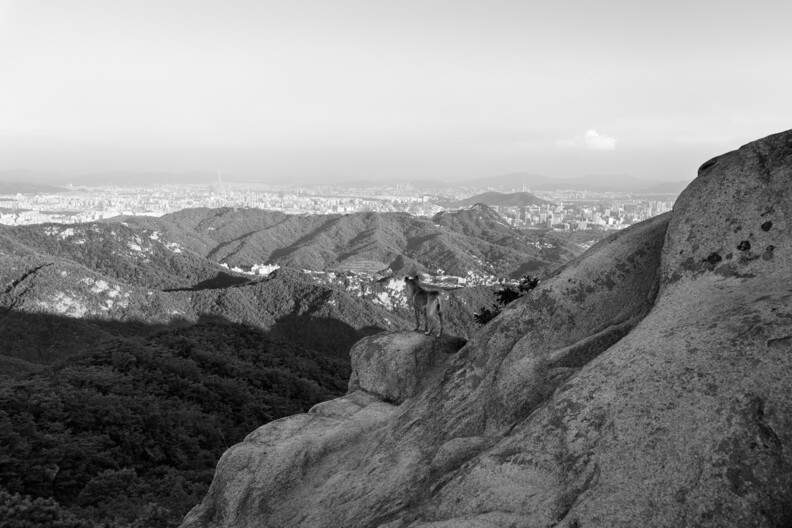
(396, 365)
(647, 383)
(278, 465)
(265, 476)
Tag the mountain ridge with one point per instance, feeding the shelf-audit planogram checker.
(404, 243)
(132, 272)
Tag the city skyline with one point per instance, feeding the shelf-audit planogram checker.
(349, 90)
(557, 210)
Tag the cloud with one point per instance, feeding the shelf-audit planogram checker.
(594, 141)
(591, 140)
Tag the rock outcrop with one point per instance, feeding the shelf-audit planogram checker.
(647, 383)
(300, 457)
(395, 366)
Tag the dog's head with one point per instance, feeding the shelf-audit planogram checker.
(411, 281)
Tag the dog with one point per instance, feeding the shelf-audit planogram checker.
(424, 301)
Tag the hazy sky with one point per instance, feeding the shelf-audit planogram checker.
(407, 89)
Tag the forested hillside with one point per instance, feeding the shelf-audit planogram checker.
(130, 429)
(114, 250)
(476, 240)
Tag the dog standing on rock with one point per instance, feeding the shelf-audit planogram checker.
(424, 301)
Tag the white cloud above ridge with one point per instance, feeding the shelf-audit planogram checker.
(594, 141)
(591, 140)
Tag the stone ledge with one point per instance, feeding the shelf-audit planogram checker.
(393, 365)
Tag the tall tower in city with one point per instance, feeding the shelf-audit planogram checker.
(218, 185)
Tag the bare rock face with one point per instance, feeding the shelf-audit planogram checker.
(647, 383)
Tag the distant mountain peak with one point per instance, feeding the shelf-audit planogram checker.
(492, 198)
(485, 210)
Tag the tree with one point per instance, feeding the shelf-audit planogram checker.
(22, 511)
(485, 315)
(505, 296)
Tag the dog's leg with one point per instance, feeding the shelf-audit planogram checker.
(440, 317)
(426, 319)
(417, 320)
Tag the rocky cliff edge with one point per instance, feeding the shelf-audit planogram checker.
(647, 383)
